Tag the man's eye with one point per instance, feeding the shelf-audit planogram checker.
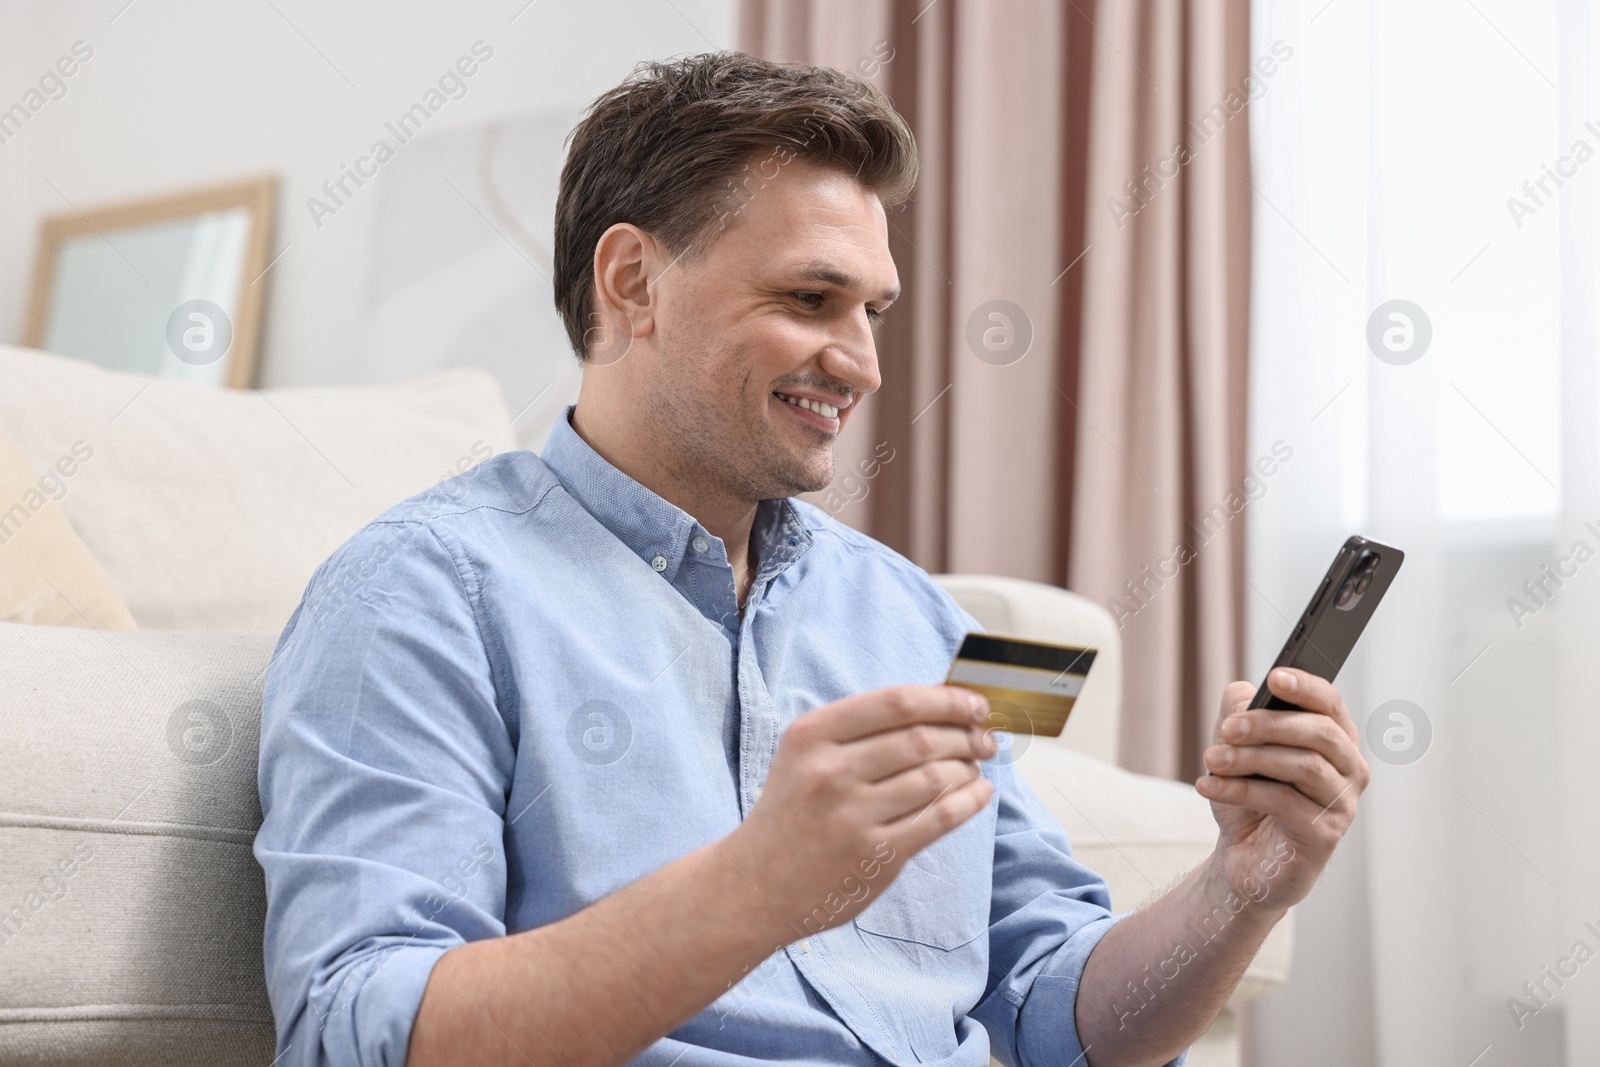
(814, 301)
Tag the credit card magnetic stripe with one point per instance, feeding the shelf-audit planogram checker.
(1014, 652)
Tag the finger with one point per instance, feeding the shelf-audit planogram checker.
(897, 706)
(1302, 768)
(1236, 696)
(882, 755)
(912, 791)
(1296, 812)
(1309, 693)
(1294, 729)
(919, 829)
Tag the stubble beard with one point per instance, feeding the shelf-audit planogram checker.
(738, 453)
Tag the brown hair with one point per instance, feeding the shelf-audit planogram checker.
(666, 149)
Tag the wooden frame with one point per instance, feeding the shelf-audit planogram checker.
(259, 196)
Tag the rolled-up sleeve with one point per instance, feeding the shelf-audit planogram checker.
(384, 769)
(1048, 913)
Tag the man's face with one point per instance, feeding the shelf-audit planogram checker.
(779, 309)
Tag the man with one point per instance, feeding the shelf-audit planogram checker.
(620, 754)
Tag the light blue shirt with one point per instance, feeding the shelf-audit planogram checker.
(514, 694)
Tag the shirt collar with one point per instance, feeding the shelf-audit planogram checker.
(649, 525)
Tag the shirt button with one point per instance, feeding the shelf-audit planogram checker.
(805, 945)
(659, 563)
(700, 544)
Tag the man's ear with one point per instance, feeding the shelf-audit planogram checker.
(627, 262)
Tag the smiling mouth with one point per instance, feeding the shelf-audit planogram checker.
(827, 411)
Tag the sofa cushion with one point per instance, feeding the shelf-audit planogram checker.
(47, 576)
(132, 907)
(210, 508)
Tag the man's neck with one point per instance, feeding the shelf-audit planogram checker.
(723, 516)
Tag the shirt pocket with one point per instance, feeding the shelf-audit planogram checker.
(941, 897)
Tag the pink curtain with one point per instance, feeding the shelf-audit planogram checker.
(1064, 378)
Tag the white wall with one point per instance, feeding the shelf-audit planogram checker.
(183, 92)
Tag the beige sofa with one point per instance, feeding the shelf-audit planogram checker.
(130, 903)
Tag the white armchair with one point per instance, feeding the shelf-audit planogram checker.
(1140, 833)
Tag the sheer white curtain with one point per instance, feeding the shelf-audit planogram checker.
(1429, 153)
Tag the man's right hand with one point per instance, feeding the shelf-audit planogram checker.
(856, 788)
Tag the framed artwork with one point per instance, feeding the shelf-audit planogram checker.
(171, 287)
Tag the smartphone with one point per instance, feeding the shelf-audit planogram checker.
(1326, 634)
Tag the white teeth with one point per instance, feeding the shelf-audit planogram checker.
(827, 411)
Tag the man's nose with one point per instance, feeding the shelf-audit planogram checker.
(854, 358)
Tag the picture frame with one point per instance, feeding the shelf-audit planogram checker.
(172, 286)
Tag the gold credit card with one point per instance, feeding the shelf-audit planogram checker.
(1031, 685)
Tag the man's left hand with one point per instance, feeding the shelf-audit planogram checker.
(1277, 836)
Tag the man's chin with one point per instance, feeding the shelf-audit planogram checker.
(790, 467)
(810, 477)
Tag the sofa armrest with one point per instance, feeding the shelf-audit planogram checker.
(1140, 833)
